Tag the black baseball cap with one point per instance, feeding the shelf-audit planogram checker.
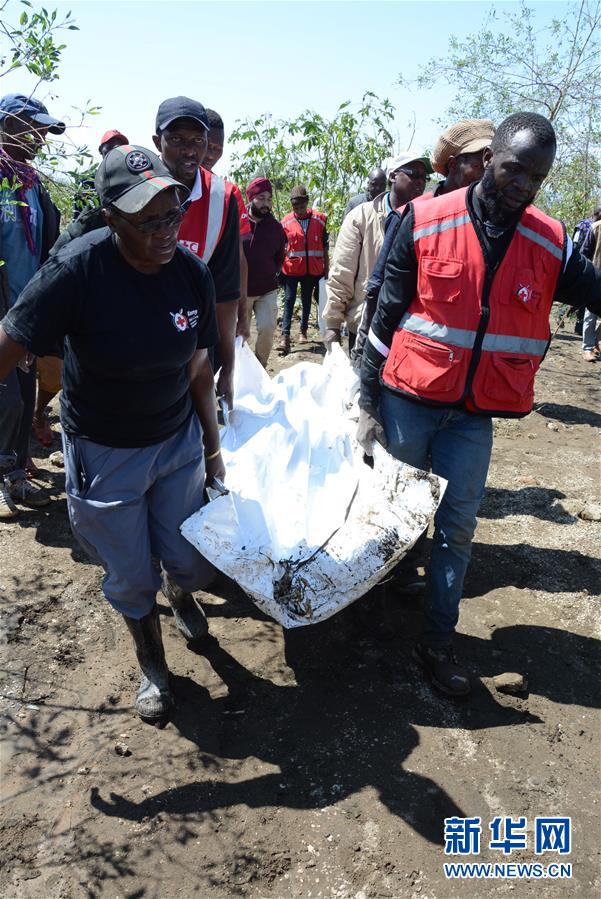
(129, 177)
(19, 105)
(180, 108)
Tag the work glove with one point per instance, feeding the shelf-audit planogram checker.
(331, 336)
(369, 430)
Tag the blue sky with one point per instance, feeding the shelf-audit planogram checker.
(246, 58)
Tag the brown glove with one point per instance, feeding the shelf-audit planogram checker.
(370, 429)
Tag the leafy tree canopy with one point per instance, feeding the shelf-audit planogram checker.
(331, 157)
(509, 65)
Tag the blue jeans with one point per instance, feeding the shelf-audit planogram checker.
(455, 445)
(307, 284)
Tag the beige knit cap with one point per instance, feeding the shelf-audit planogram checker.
(467, 136)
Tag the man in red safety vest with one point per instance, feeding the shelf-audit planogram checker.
(210, 227)
(305, 262)
(460, 330)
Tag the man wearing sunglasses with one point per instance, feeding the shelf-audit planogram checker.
(460, 331)
(458, 156)
(210, 227)
(136, 312)
(359, 242)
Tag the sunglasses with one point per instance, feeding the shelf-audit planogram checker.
(299, 201)
(413, 174)
(154, 225)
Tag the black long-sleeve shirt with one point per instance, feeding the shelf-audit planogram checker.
(579, 284)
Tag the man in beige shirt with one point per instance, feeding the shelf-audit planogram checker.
(360, 240)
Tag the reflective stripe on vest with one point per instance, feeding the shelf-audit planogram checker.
(375, 341)
(540, 241)
(302, 255)
(460, 337)
(439, 227)
(215, 218)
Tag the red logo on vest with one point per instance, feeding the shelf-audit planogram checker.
(524, 293)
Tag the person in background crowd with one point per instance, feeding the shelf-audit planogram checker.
(210, 227)
(460, 330)
(359, 242)
(264, 254)
(591, 330)
(86, 199)
(136, 312)
(49, 373)
(376, 185)
(581, 232)
(29, 225)
(110, 140)
(305, 262)
(216, 139)
(457, 156)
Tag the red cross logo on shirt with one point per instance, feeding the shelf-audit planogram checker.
(180, 320)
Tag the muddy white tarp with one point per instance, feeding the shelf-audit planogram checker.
(307, 527)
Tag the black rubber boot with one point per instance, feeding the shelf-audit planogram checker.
(444, 670)
(154, 699)
(187, 612)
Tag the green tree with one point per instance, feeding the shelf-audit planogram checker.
(332, 157)
(509, 65)
(30, 41)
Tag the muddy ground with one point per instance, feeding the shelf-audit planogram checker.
(314, 763)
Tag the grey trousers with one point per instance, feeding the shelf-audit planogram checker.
(17, 403)
(126, 506)
(591, 331)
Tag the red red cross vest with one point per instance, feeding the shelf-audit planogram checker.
(470, 335)
(204, 221)
(304, 253)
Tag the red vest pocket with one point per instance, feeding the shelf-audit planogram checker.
(439, 280)
(426, 368)
(505, 382)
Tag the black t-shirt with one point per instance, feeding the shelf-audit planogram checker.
(128, 337)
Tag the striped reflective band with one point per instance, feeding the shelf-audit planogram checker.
(302, 254)
(439, 227)
(504, 343)
(460, 337)
(541, 241)
(215, 218)
(382, 349)
(453, 336)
